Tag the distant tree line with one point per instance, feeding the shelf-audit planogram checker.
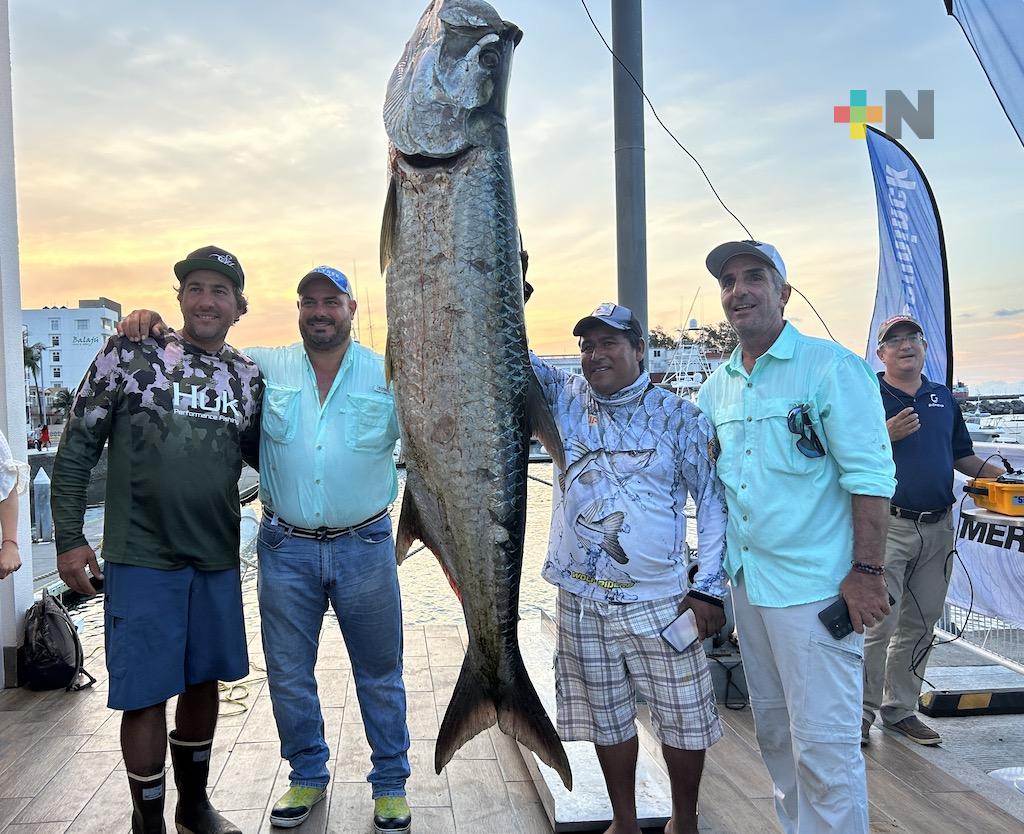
(716, 338)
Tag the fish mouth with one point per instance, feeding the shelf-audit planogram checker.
(421, 161)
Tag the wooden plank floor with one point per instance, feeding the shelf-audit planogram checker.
(61, 769)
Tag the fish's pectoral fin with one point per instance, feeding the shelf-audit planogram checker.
(389, 226)
(411, 528)
(389, 362)
(542, 424)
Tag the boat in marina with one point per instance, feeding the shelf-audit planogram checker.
(1006, 428)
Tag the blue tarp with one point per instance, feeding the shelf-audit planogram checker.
(995, 29)
(912, 276)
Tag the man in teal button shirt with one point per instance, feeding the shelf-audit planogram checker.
(327, 476)
(808, 471)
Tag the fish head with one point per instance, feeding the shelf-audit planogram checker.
(449, 87)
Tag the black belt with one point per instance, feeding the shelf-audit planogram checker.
(322, 533)
(929, 517)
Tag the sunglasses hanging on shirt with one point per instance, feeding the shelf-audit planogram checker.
(807, 442)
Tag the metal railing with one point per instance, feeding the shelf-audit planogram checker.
(1001, 641)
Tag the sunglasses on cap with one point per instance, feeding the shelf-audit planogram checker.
(807, 441)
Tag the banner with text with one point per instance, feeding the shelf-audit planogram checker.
(992, 554)
(912, 277)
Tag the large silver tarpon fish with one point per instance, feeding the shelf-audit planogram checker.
(466, 396)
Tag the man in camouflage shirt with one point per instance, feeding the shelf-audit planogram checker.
(179, 413)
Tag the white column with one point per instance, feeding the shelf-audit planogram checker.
(16, 590)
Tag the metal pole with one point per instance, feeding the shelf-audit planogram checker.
(630, 192)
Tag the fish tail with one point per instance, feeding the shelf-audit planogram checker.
(508, 700)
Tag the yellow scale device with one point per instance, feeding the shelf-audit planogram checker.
(1004, 494)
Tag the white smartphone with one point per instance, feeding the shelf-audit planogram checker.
(682, 631)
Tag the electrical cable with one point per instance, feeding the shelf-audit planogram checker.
(664, 127)
(685, 150)
(920, 654)
(805, 298)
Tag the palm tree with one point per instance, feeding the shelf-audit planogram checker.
(34, 362)
(62, 402)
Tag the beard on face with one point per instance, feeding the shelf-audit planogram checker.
(327, 340)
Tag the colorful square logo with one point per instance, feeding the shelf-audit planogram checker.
(858, 113)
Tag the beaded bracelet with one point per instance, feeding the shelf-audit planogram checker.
(871, 570)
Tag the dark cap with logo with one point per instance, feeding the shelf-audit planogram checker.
(613, 315)
(890, 323)
(213, 258)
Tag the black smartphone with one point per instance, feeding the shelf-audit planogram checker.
(836, 618)
(97, 584)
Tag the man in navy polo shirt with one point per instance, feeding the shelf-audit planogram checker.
(929, 440)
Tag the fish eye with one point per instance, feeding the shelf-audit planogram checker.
(489, 59)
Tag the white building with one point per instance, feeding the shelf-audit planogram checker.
(661, 362)
(71, 337)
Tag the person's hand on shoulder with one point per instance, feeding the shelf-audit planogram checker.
(139, 324)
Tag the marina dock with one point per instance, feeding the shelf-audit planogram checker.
(61, 768)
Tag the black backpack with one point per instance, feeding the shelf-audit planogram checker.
(53, 652)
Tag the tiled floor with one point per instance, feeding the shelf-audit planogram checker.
(61, 769)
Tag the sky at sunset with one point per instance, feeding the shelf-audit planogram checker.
(146, 129)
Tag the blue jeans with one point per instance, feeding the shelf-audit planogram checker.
(357, 574)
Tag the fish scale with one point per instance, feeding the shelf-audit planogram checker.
(457, 354)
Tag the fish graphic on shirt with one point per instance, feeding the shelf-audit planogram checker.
(602, 533)
(594, 464)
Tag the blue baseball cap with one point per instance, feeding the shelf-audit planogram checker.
(764, 252)
(614, 315)
(335, 276)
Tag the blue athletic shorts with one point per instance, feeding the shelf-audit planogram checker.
(168, 629)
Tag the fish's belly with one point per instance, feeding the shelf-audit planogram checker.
(458, 350)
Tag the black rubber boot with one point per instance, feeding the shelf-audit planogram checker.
(195, 814)
(147, 803)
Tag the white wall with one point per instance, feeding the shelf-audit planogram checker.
(16, 590)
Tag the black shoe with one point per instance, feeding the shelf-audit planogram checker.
(195, 814)
(147, 803)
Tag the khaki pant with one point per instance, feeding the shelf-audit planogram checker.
(917, 573)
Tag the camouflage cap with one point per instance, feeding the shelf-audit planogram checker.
(213, 258)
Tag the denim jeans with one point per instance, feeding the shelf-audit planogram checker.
(357, 574)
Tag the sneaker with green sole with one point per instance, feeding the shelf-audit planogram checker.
(391, 815)
(293, 808)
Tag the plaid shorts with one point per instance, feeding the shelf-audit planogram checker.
(607, 653)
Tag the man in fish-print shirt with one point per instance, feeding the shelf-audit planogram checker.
(617, 552)
(178, 413)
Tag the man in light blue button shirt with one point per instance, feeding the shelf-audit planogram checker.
(327, 476)
(807, 468)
